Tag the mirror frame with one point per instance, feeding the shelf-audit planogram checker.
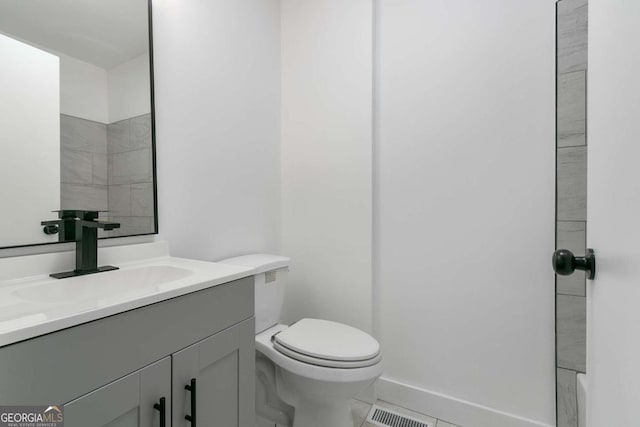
(153, 149)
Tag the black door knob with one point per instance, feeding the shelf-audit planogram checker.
(565, 263)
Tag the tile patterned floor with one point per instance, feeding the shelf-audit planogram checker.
(361, 410)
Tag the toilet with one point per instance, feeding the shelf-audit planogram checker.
(307, 372)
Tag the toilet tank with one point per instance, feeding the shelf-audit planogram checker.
(270, 281)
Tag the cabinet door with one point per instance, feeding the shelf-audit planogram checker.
(127, 402)
(223, 366)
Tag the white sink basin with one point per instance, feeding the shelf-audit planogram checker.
(37, 305)
(110, 284)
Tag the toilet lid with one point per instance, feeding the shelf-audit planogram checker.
(323, 339)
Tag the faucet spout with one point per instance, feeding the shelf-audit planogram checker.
(105, 225)
(82, 226)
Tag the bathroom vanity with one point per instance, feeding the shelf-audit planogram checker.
(178, 345)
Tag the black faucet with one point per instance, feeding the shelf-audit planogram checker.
(81, 227)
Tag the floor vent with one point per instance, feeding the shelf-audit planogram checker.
(386, 418)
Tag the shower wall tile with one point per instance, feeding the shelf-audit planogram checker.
(572, 236)
(567, 405)
(76, 167)
(130, 175)
(118, 137)
(109, 167)
(572, 35)
(142, 200)
(572, 109)
(140, 132)
(572, 184)
(130, 225)
(83, 164)
(82, 135)
(130, 134)
(84, 197)
(119, 200)
(572, 40)
(571, 332)
(129, 147)
(131, 167)
(100, 175)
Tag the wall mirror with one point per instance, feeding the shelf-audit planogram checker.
(76, 116)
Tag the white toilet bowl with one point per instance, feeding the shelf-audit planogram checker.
(319, 394)
(306, 373)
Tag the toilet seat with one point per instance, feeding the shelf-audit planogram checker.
(325, 362)
(325, 343)
(265, 345)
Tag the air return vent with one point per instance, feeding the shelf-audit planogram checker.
(387, 418)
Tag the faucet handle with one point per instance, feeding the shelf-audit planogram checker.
(65, 227)
(89, 219)
(106, 225)
(51, 227)
(70, 218)
(78, 213)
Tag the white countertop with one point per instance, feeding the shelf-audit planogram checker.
(39, 304)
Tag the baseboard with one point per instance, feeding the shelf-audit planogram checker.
(449, 408)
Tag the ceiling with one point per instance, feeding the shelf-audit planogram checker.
(105, 33)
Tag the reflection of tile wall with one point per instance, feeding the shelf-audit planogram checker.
(572, 202)
(83, 164)
(109, 168)
(130, 175)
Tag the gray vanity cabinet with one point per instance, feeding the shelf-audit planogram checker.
(127, 402)
(111, 372)
(223, 368)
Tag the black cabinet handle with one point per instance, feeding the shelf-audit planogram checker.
(565, 263)
(162, 408)
(192, 388)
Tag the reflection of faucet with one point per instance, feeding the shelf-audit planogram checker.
(82, 227)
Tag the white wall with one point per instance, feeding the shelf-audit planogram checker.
(463, 172)
(217, 77)
(326, 158)
(83, 86)
(106, 96)
(83, 90)
(464, 208)
(613, 348)
(129, 89)
(30, 162)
